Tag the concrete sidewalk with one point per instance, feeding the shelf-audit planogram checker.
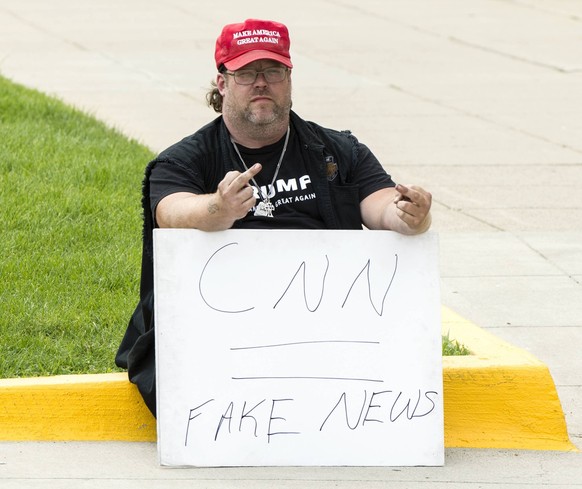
(478, 101)
(128, 466)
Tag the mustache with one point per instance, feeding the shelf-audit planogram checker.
(261, 91)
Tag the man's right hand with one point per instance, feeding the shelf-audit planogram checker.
(235, 195)
(233, 199)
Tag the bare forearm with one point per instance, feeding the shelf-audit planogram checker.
(192, 211)
(402, 209)
(210, 212)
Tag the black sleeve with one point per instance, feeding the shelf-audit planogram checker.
(168, 177)
(369, 174)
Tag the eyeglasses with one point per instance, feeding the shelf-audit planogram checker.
(275, 74)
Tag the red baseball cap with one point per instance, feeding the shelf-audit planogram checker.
(253, 39)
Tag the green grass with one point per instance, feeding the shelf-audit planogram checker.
(70, 243)
(70, 191)
(453, 347)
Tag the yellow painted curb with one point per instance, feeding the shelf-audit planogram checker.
(74, 407)
(499, 397)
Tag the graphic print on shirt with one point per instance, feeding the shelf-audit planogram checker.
(292, 194)
(287, 192)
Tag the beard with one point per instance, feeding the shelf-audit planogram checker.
(261, 117)
(260, 120)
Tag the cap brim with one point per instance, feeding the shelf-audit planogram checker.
(246, 58)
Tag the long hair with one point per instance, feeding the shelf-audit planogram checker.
(213, 97)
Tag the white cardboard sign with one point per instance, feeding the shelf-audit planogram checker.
(298, 348)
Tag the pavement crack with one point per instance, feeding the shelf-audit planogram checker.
(513, 57)
(482, 118)
(562, 271)
(455, 39)
(469, 215)
(551, 11)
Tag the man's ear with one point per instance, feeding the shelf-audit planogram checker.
(221, 83)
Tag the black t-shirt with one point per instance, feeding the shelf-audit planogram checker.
(292, 193)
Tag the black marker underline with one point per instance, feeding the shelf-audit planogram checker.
(307, 378)
(277, 345)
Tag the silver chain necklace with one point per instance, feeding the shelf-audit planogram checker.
(264, 207)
